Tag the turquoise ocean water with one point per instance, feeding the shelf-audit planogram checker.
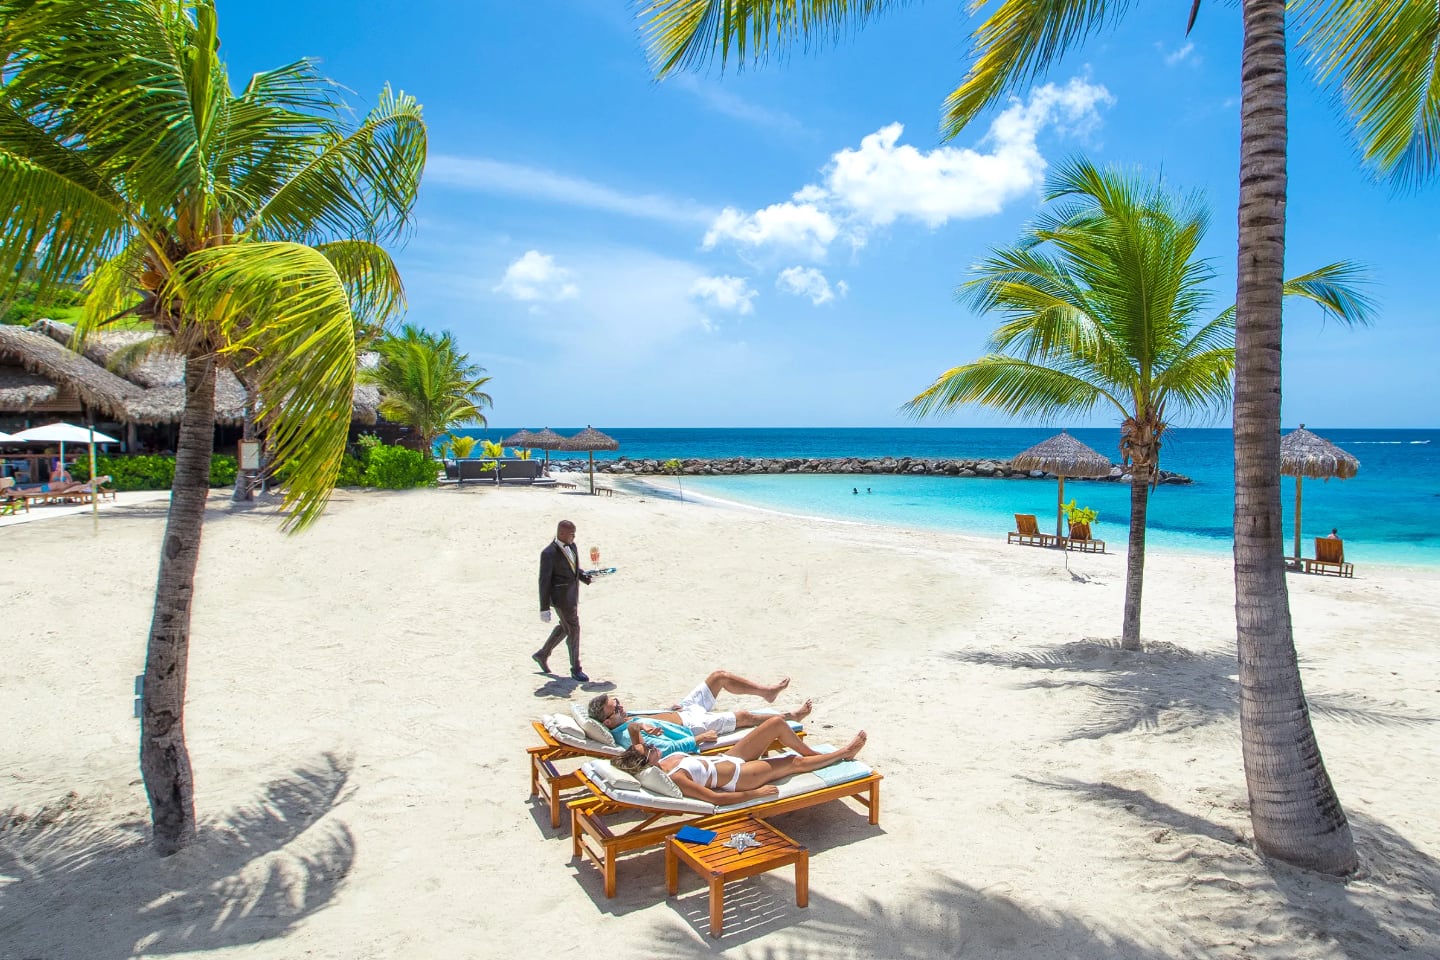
(1389, 513)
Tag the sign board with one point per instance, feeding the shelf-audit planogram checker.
(249, 458)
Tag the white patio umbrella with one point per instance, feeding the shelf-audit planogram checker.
(63, 433)
(5, 437)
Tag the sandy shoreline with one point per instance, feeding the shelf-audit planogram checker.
(359, 709)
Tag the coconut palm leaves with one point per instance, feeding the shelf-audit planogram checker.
(426, 384)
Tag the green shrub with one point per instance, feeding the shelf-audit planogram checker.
(352, 472)
(151, 472)
(398, 468)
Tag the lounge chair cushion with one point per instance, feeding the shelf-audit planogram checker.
(623, 788)
(593, 728)
(564, 728)
(658, 781)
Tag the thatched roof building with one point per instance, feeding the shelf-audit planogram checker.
(39, 372)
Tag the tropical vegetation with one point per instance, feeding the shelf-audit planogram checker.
(1104, 299)
(149, 471)
(427, 384)
(244, 225)
(1378, 58)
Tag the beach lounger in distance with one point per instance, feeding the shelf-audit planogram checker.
(1329, 558)
(1027, 532)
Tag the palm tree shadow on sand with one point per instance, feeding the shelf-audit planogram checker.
(1166, 688)
(1389, 908)
(943, 918)
(78, 881)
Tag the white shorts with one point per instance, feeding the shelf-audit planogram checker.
(697, 711)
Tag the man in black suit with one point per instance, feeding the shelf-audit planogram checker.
(560, 579)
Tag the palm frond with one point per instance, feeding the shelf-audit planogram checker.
(1381, 60)
(371, 279)
(1017, 387)
(1017, 44)
(684, 34)
(284, 302)
(361, 185)
(1338, 289)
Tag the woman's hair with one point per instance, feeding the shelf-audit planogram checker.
(632, 761)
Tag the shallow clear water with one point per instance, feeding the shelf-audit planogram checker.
(1389, 513)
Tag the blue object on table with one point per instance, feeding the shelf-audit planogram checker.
(694, 835)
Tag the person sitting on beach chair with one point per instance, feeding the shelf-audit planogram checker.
(743, 772)
(693, 722)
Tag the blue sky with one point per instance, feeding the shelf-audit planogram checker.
(780, 246)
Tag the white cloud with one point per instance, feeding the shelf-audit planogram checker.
(535, 276)
(724, 101)
(725, 293)
(883, 180)
(800, 226)
(496, 176)
(809, 282)
(1185, 54)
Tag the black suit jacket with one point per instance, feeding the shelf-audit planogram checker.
(559, 582)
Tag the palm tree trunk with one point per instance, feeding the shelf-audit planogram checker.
(1293, 807)
(1135, 560)
(164, 760)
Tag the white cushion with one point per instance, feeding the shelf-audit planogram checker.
(565, 730)
(658, 781)
(623, 788)
(593, 728)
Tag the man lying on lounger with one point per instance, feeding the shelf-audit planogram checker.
(693, 723)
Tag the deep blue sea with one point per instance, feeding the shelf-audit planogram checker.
(1389, 513)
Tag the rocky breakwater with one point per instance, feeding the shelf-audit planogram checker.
(909, 466)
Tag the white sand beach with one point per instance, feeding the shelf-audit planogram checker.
(360, 702)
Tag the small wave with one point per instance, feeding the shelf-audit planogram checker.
(1413, 442)
(1379, 443)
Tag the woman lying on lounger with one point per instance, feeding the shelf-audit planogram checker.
(744, 773)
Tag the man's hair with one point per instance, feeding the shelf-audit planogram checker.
(564, 525)
(632, 761)
(596, 709)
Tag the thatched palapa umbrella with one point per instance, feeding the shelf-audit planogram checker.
(1063, 456)
(1303, 454)
(547, 440)
(591, 440)
(524, 439)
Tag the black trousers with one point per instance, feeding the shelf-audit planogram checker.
(567, 629)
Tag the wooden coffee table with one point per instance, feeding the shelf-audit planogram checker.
(717, 864)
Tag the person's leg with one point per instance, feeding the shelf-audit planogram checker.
(763, 770)
(552, 641)
(723, 681)
(744, 718)
(569, 618)
(757, 741)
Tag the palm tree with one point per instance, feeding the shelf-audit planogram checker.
(426, 384)
(1379, 59)
(1103, 301)
(249, 225)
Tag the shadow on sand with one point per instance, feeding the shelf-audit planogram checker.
(1167, 688)
(78, 882)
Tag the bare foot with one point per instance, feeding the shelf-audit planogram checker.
(770, 693)
(853, 747)
(800, 712)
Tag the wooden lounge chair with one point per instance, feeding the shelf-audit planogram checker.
(562, 739)
(1027, 532)
(1329, 558)
(1083, 544)
(603, 824)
